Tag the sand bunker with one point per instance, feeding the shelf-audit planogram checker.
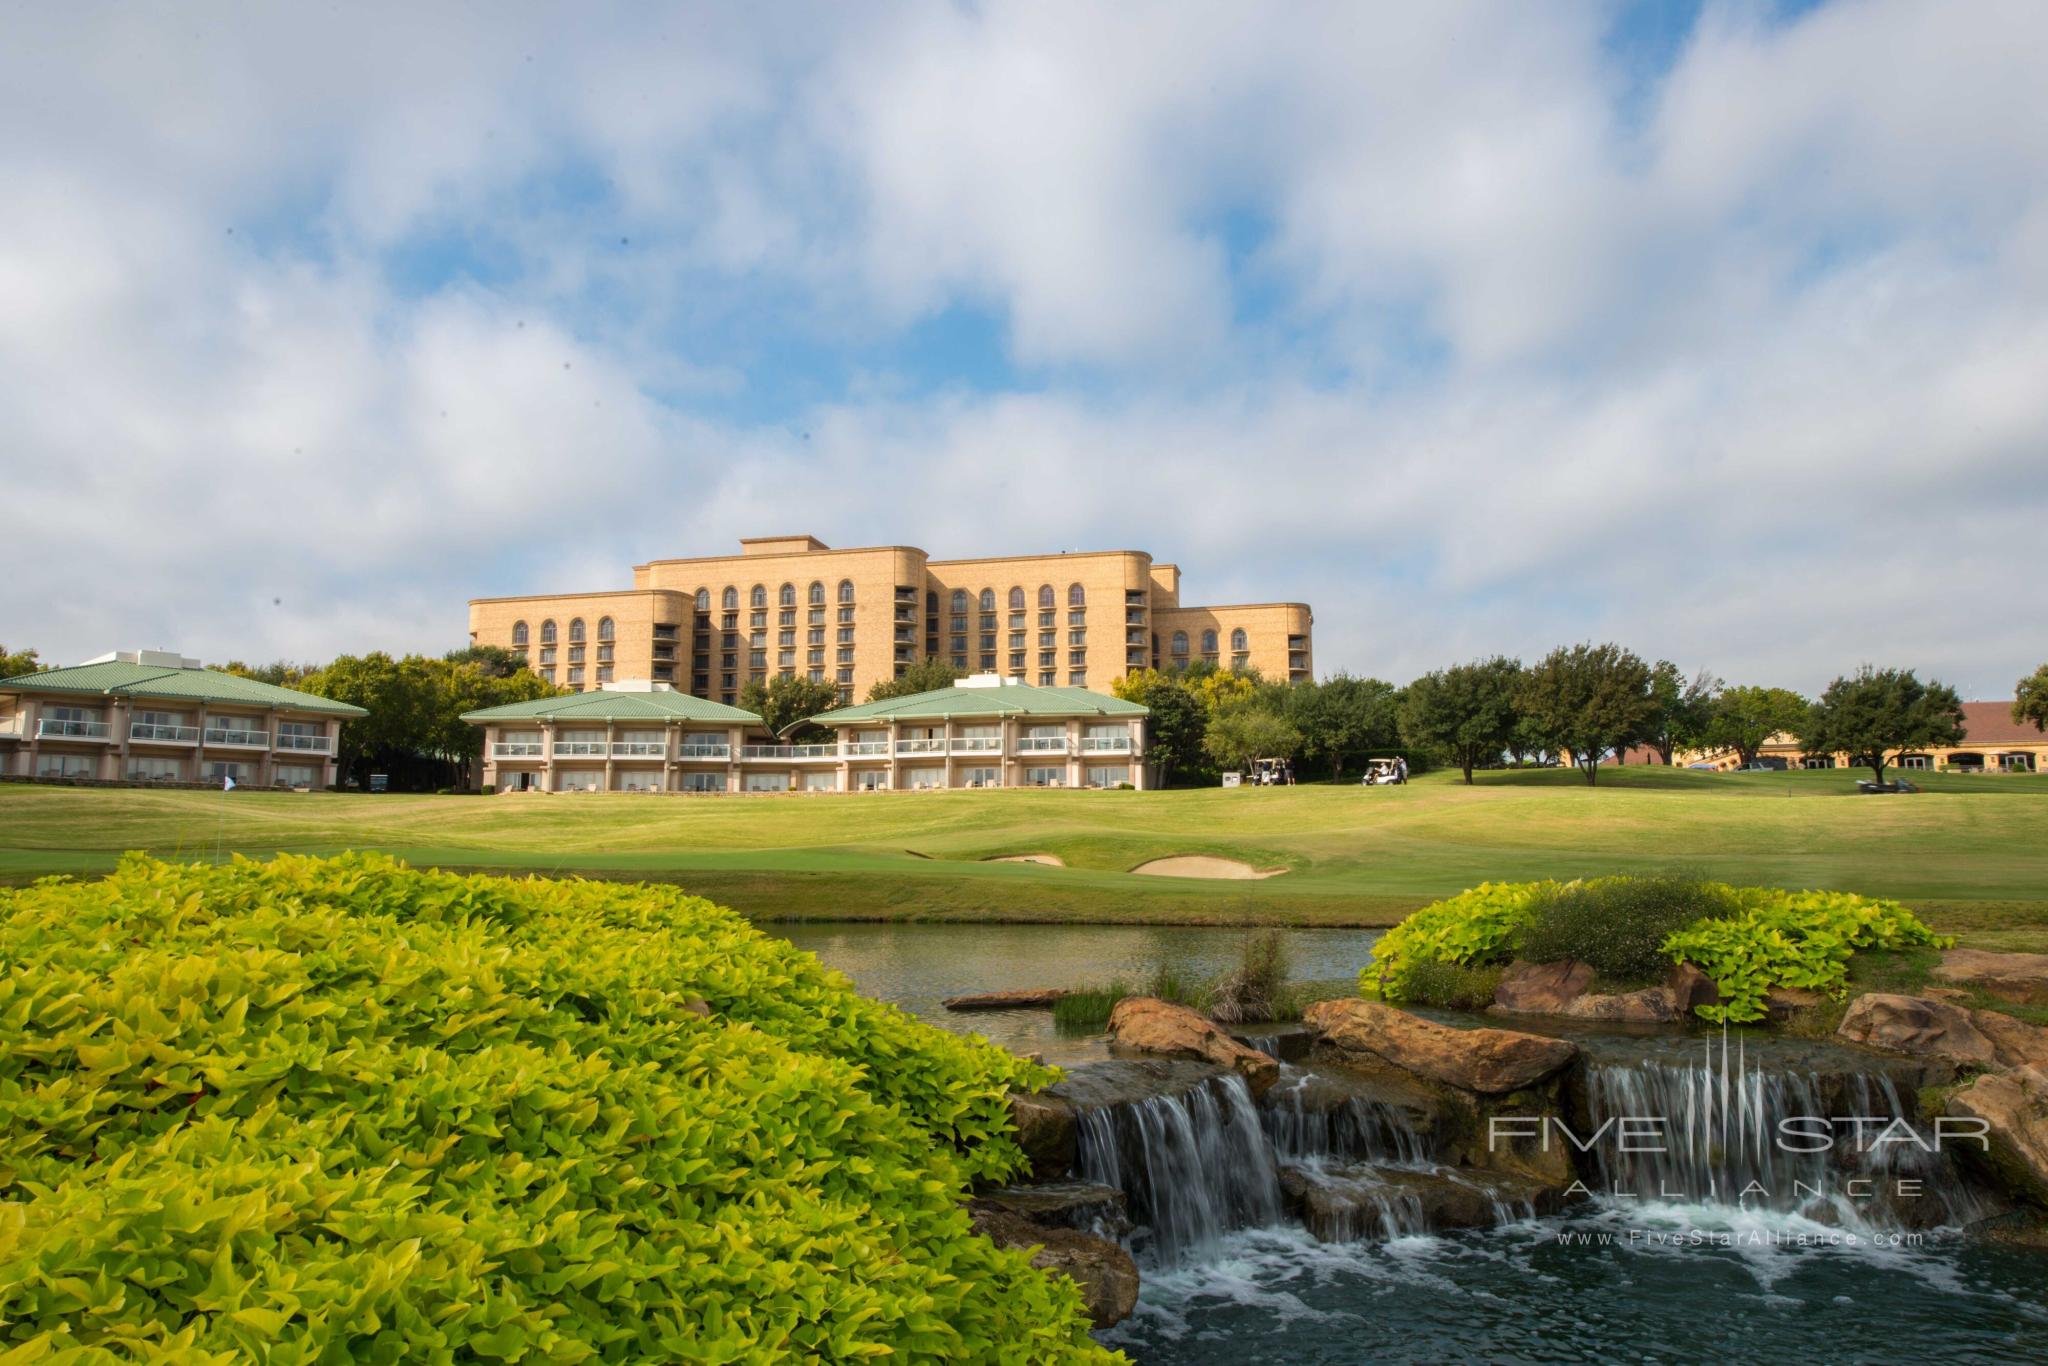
(1204, 865)
(1049, 860)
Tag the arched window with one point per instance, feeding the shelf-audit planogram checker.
(703, 599)
(1208, 642)
(787, 597)
(730, 598)
(846, 590)
(1016, 599)
(575, 630)
(604, 628)
(1238, 640)
(931, 603)
(547, 631)
(518, 635)
(1076, 596)
(817, 594)
(959, 601)
(988, 599)
(758, 597)
(1180, 642)
(1045, 598)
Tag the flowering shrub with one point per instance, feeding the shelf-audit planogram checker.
(340, 1110)
(1760, 937)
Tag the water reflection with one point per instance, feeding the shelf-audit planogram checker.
(918, 966)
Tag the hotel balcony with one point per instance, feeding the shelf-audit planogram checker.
(231, 735)
(1042, 744)
(788, 752)
(306, 744)
(518, 749)
(864, 747)
(592, 749)
(50, 729)
(920, 746)
(1106, 744)
(704, 752)
(164, 735)
(977, 744)
(639, 749)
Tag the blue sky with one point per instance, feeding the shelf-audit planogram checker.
(1714, 328)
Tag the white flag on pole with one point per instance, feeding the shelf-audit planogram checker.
(227, 782)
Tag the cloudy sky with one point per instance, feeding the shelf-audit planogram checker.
(1721, 331)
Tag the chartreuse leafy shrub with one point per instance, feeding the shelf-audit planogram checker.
(337, 1110)
(1747, 939)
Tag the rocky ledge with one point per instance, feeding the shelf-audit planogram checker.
(1564, 989)
(1146, 1024)
(1484, 1061)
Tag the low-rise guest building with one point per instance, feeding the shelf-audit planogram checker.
(156, 716)
(984, 732)
(1992, 743)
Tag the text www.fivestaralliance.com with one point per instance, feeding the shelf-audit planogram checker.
(1735, 1238)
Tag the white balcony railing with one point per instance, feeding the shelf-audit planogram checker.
(864, 747)
(50, 728)
(305, 744)
(233, 735)
(639, 749)
(789, 751)
(150, 730)
(518, 749)
(920, 746)
(580, 748)
(1106, 744)
(977, 744)
(689, 751)
(1042, 744)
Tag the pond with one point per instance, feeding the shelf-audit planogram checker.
(917, 966)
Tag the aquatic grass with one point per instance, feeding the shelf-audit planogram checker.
(1086, 1009)
(1247, 993)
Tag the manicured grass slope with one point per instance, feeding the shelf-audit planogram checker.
(336, 1110)
(1972, 851)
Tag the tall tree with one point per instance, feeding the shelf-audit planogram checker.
(1342, 719)
(1178, 722)
(2030, 699)
(415, 731)
(787, 699)
(1876, 715)
(1680, 708)
(926, 675)
(282, 673)
(1744, 719)
(1467, 711)
(1243, 734)
(1589, 699)
(14, 663)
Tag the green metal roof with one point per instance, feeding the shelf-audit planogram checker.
(617, 706)
(118, 678)
(1011, 699)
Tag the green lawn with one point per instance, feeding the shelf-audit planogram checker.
(1970, 852)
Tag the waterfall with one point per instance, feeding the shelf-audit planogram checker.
(1359, 1128)
(1843, 1147)
(1192, 1166)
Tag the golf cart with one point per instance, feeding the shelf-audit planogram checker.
(1380, 773)
(1269, 772)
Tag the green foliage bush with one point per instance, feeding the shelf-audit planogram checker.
(1619, 924)
(339, 1110)
(1452, 986)
(1748, 939)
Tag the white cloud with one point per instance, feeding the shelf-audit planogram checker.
(313, 326)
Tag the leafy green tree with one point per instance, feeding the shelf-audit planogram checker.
(1242, 734)
(495, 661)
(1343, 719)
(926, 675)
(1876, 715)
(415, 731)
(1177, 725)
(14, 663)
(786, 700)
(282, 673)
(1680, 708)
(1744, 719)
(2030, 701)
(1467, 711)
(1588, 699)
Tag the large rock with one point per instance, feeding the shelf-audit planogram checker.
(2021, 978)
(1027, 998)
(1690, 988)
(1542, 988)
(1085, 1205)
(1105, 1272)
(2014, 1104)
(1045, 1131)
(1146, 1024)
(2014, 1043)
(1487, 1061)
(1347, 1204)
(1651, 1005)
(1918, 1027)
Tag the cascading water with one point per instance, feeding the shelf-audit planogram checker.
(1192, 1166)
(1356, 1128)
(1842, 1147)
